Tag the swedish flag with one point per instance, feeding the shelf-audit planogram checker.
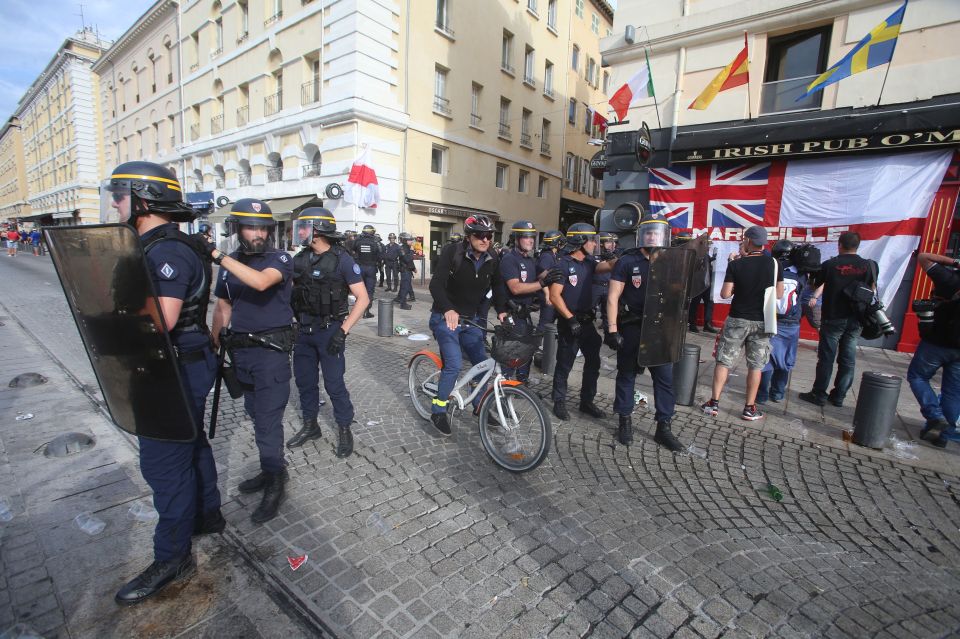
(875, 49)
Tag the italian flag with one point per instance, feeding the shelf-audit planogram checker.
(638, 87)
(733, 75)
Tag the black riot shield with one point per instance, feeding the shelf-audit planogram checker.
(700, 275)
(666, 304)
(107, 285)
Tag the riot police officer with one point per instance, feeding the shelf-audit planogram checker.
(324, 274)
(455, 237)
(518, 272)
(553, 242)
(253, 300)
(601, 281)
(573, 298)
(380, 264)
(628, 289)
(407, 269)
(391, 261)
(183, 476)
(366, 251)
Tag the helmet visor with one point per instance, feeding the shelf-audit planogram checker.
(249, 239)
(654, 234)
(302, 231)
(115, 201)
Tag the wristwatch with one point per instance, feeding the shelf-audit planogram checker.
(218, 259)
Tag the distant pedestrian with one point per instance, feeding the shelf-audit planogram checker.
(35, 241)
(13, 237)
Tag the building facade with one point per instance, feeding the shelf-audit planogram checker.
(275, 99)
(62, 136)
(13, 173)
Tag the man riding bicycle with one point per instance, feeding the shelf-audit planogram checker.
(465, 272)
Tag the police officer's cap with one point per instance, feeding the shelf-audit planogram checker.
(580, 233)
(324, 223)
(251, 212)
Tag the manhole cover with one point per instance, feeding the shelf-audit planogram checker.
(25, 380)
(68, 444)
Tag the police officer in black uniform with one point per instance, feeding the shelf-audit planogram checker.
(366, 251)
(553, 242)
(628, 285)
(601, 281)
(391, 261)
(573, 298)
(253, 300)
(407, 269)
(324, 275)
(183, 476)
(518, 273)
(380, 264)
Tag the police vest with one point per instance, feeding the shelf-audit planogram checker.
(319, 289)
(193, 312)
(367, 251)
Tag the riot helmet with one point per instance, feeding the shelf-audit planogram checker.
(391, 237)
(377, 237)
(580, 233)
(523, 229)
(406, 237)
(315, 221)
(139, 188)
(783, 251)
(455, 237)
(368, 229)
(205, 228)
(554, 239)
(249, 217)
(654, 231)
(681, 238)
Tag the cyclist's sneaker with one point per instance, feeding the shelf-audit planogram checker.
(751, 413)
(560, 410)
(711, 407)
(441, 423)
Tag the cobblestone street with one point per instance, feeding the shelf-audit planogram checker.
(422, 536)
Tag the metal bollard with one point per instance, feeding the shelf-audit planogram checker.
(685, 372)
(876, 409)
(549, 360)
(384, 317)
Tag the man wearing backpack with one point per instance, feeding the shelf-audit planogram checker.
(840, 325)
(939, 347)
(465, 272)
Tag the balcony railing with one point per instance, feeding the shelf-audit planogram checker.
(530, 81)
(216, 124)
(504, 131)
(311, 170)
(475, 120)
(272, 103)
(545, 148)
(441, 105)
(275, 174)
(781, 95)
(243, 179)
(220, 183)
(216, 52)
(243, 115)
(194, 131)
(274, 18)
(548, 91)
(525, 140)
(506, 67)
(310, 92)
(242, 37)
(194, 67)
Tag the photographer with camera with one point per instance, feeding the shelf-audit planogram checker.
(939, 347)
(841, 322)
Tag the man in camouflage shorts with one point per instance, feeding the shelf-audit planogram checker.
(749, 273)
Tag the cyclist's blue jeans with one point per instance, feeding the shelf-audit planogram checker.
(927, 359)
(450, 342)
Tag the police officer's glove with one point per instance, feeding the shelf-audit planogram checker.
(204, 245)
(614, 340)
(574, 326)
(606, 256)
(553, 276)
(337, 343)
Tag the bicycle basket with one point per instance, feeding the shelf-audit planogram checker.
(512, 348)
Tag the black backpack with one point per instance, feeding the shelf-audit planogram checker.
(806, 257)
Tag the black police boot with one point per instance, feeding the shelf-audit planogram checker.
(413, 298)
(592, 410)
(344, 442)
(625, 431)
(560, 410)
(253, 484)
(397, 300)
(405, 307)
(310, 430)
(152, 580)
(209, 523)
(367, 314)
(665, 437)
(274, 490)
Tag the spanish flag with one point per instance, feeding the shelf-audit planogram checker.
(733, 75)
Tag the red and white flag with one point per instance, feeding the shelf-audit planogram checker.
(362, 188)
(599, 121)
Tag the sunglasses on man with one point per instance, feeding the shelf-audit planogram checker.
(118, 197)
(483, 236)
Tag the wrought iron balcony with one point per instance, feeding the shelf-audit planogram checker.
(475, 120)
(272, 19)
(310, 92)
(525, 140)
(243, 179)
(275, 174)
(272, 103)
(504, 131)
(545, 148)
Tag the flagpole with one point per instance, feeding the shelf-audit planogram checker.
(656, 106)
(749, 93)
(890, 63)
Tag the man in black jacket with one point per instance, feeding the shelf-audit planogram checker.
(464, 274)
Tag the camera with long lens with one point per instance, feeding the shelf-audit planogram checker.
(924, 310)
(875, 322)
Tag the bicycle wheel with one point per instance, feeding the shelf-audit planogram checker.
(524, 441)
(422, 381)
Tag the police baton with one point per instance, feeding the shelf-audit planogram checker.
(221, 358)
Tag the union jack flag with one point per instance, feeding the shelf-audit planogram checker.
(712, 195)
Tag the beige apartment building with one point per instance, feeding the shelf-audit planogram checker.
(276, 98)
(62, 137)
(13, 174)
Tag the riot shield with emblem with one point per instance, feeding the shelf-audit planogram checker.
(108, 288)
(674, 274)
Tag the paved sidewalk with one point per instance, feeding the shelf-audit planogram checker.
(422, 536)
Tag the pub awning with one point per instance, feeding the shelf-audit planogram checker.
(31, 218)
(282, 207)
(436, 208)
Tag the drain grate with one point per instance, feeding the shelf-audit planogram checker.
(68, 444)
(25, 380)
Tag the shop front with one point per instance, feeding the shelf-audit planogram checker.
(433, 223)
